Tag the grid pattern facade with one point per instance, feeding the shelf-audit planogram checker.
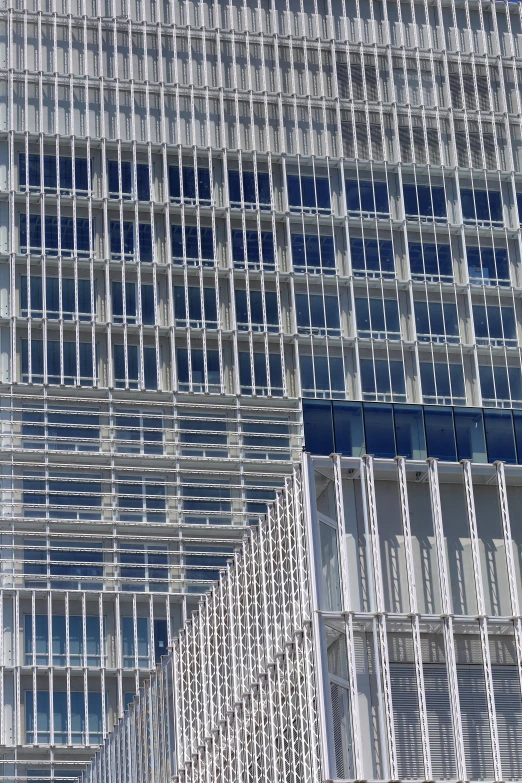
(235, 698)
(209, 212)
(411, 581)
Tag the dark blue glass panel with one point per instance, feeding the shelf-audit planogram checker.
(182, 365)
(51, 235)
(128, 238)
(500, 437)
(519, 204)
(294, 191)
(145, 238)
(204, 183)
(469, 428)
(176, 241)
(267, 247)
(378, 424)
(495, 205)
(263, 188)
(410, 200)
(50, 172)
(142, 182)
(238, 252)
(82, 234)
(234, 186)
(348, 429)
(149, 367)
(81, 174)
(381, 197)
(112, 174)
(189, 182)
(66, 177)
(440, 434)
(249, 187)
(353, 201)
(34, 171)
(409, 431)
(126, 177)
(174, 187)
(322, 187)
(318, 427)
(207, 243)
(67, 233)
(147, 304)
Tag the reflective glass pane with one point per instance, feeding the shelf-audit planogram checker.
(469, 428)
(378, 423)
(318, 427)
(409, 431)
(349, 429)
(440, 435)
(500, 436)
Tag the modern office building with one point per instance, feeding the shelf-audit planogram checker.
(369, 629)
(210, 212)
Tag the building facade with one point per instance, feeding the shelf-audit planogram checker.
(368, 629)
(219, 222)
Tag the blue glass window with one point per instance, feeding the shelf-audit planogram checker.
(499, 383)
(436, 321)
(348, 428)
(114, 182)
(481, 206)
(142, 182)
(257, 321)
(256, 253)
(488, 266)
(320, 374)
(309, 194)
(133, 368)
(33, 165)
(249, 189)
(410, 438)
(128, 309)
(197, 368)
(469, 429)
(206, 240)
(135, 642)
(380, 433)
(53, 362)
(189, 181)
(32, 173)
(123, 309)
(312, 253)
(424, 201)
(116, 230)
(382, 379)
(55, 233)
(316, 313)
(372, 258)
(494, 325)
(145, 243)
(147, 305)
(377, 318)
(442, 383)
(199, 314)
(440, 433)
(65, 720)
(260, 380)
(52, 285)
(367, 197)
(431, 262)
(519, 205)
(500, 436)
